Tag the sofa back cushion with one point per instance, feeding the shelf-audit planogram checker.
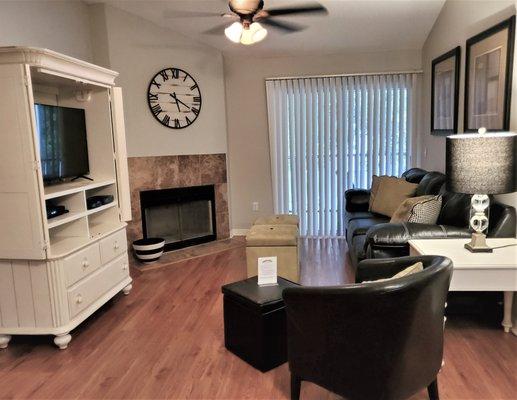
(455, 209)
(430, 184)
(414, 175)
(388, 192)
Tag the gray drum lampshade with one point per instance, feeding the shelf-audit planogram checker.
(482, 163)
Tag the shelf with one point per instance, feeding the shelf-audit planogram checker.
(101, 208)
(64, 219)
(98, 230)
(61, 246)
(63, 189)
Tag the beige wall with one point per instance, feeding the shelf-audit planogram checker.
(61, 26)
(138, 49)
(458, 21)
(248, 147)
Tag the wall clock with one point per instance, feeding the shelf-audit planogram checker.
(174, 98)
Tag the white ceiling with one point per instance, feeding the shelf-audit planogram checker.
(352, 25)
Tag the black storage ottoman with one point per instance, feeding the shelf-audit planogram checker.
(254, 322)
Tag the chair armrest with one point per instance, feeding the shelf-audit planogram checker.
(398, 234)
(373, 269)
(357, 200)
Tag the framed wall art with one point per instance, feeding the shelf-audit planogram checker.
(445, 87)
(488, 78)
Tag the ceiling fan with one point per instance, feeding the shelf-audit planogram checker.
(248, 17)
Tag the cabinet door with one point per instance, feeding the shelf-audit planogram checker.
(21, 223)
(119, 136)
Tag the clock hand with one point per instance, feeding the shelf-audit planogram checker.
(179, 101)
(173, 95)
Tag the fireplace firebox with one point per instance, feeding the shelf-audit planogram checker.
(182, 216)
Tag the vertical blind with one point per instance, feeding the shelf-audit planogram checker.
(331, 134)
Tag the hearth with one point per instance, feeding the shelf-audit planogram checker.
(182, 216)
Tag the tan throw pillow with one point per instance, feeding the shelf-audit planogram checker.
(388, 193)
(412, 269)
(420, 210)
(375, 187)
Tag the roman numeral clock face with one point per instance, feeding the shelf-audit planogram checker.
(174, 98)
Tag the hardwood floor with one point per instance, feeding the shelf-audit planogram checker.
(165, 340)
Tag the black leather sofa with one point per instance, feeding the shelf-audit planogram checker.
(371, 235)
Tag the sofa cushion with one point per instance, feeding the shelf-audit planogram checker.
(455, 209)
(388, 193)
(361, 226)
(431, 183)
(350, 216)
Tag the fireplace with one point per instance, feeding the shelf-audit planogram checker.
(182, 216)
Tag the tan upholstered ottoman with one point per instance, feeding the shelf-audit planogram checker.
(278, 219)
(280, 241)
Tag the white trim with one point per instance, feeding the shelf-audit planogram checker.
(58, 64)
(277, 78)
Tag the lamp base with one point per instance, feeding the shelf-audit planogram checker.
(478, 244)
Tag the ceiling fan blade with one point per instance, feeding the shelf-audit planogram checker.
(216, 30)
(194, 14)
(312, 8)
(286, 27)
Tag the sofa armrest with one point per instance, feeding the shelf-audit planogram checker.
(398, 234)
(357, 200)
(503, 221)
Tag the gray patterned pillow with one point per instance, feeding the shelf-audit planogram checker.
(420, 210)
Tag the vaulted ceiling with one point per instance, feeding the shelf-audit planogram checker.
(350, 26)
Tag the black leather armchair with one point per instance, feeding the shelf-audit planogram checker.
(373, 341)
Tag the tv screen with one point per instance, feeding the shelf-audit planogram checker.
(62, 139)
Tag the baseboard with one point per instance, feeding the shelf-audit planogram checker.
(238, 232)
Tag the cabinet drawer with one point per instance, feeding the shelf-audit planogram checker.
(113, 246)
(92, 288)
(81, 264)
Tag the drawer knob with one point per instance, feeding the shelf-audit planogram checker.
(79, 299)
(124, 267)
(116, 246)
(86, 264)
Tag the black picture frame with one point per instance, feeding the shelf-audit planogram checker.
(456, 53)
(506, 24)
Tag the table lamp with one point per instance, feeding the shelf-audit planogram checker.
(481, 164)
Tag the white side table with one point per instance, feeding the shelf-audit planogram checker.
(484, 272)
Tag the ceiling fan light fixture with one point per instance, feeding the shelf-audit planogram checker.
(247, 36)
(234, 32)
(259, 33)
(253, 34)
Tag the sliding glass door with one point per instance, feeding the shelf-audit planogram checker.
(331, 134)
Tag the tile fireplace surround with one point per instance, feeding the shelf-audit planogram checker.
(165, 172)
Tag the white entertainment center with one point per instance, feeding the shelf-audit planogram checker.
(54, 273)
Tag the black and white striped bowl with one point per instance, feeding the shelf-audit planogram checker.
(148, 250)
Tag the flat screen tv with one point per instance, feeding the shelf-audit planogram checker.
(62, 138)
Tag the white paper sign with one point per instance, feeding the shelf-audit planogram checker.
(267, 271)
